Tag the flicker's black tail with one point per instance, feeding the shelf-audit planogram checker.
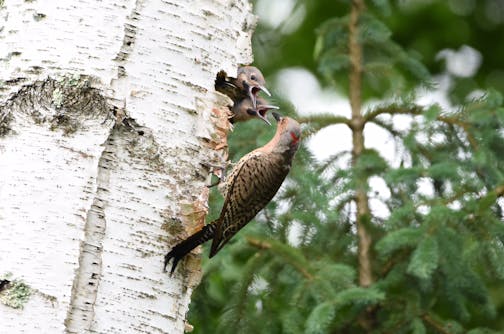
(181, 249)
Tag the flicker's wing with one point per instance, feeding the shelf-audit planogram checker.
(253, 183)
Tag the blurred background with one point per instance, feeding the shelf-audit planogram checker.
(431, 170)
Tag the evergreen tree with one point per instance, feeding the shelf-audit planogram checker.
(434, 265)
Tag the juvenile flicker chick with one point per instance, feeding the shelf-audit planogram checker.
(244, 110)
(249, 82)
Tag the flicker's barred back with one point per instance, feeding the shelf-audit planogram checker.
(254, 181)
(249, 82)
(244, 110)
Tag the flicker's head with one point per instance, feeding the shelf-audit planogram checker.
(244, 110)
(253, 81)
(289, 132)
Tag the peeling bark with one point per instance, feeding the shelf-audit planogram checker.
(106, 114)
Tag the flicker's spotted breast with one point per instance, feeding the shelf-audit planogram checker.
(254, 181)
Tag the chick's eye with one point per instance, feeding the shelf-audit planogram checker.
(253, 77)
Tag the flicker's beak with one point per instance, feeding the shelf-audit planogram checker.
(264, 118)
(252, 94)
(253, 90)
(264, 89)
(263, 109)
(277, 116)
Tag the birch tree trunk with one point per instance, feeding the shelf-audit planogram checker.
(106, 114)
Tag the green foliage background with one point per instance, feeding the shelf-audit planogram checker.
(437, 261)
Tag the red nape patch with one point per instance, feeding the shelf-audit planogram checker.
(295, 138)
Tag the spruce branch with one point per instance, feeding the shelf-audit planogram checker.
(261, 244)
(387, 126)
(324, 120)
(393, 110)
(435, 324)
(499, 191)
(416, 110)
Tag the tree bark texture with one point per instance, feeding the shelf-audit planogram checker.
(106, 114)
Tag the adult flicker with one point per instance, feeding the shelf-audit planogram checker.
(249, 82)
(244, 110)
(252, 184)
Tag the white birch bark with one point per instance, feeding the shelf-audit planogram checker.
(105, 117)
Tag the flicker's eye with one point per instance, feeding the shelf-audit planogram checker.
(253, 77)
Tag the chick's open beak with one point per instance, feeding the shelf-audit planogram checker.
(264, 89)
(262, 112)
(253, 90)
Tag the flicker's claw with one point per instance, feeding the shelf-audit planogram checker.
(175, 255)
(213, 168)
